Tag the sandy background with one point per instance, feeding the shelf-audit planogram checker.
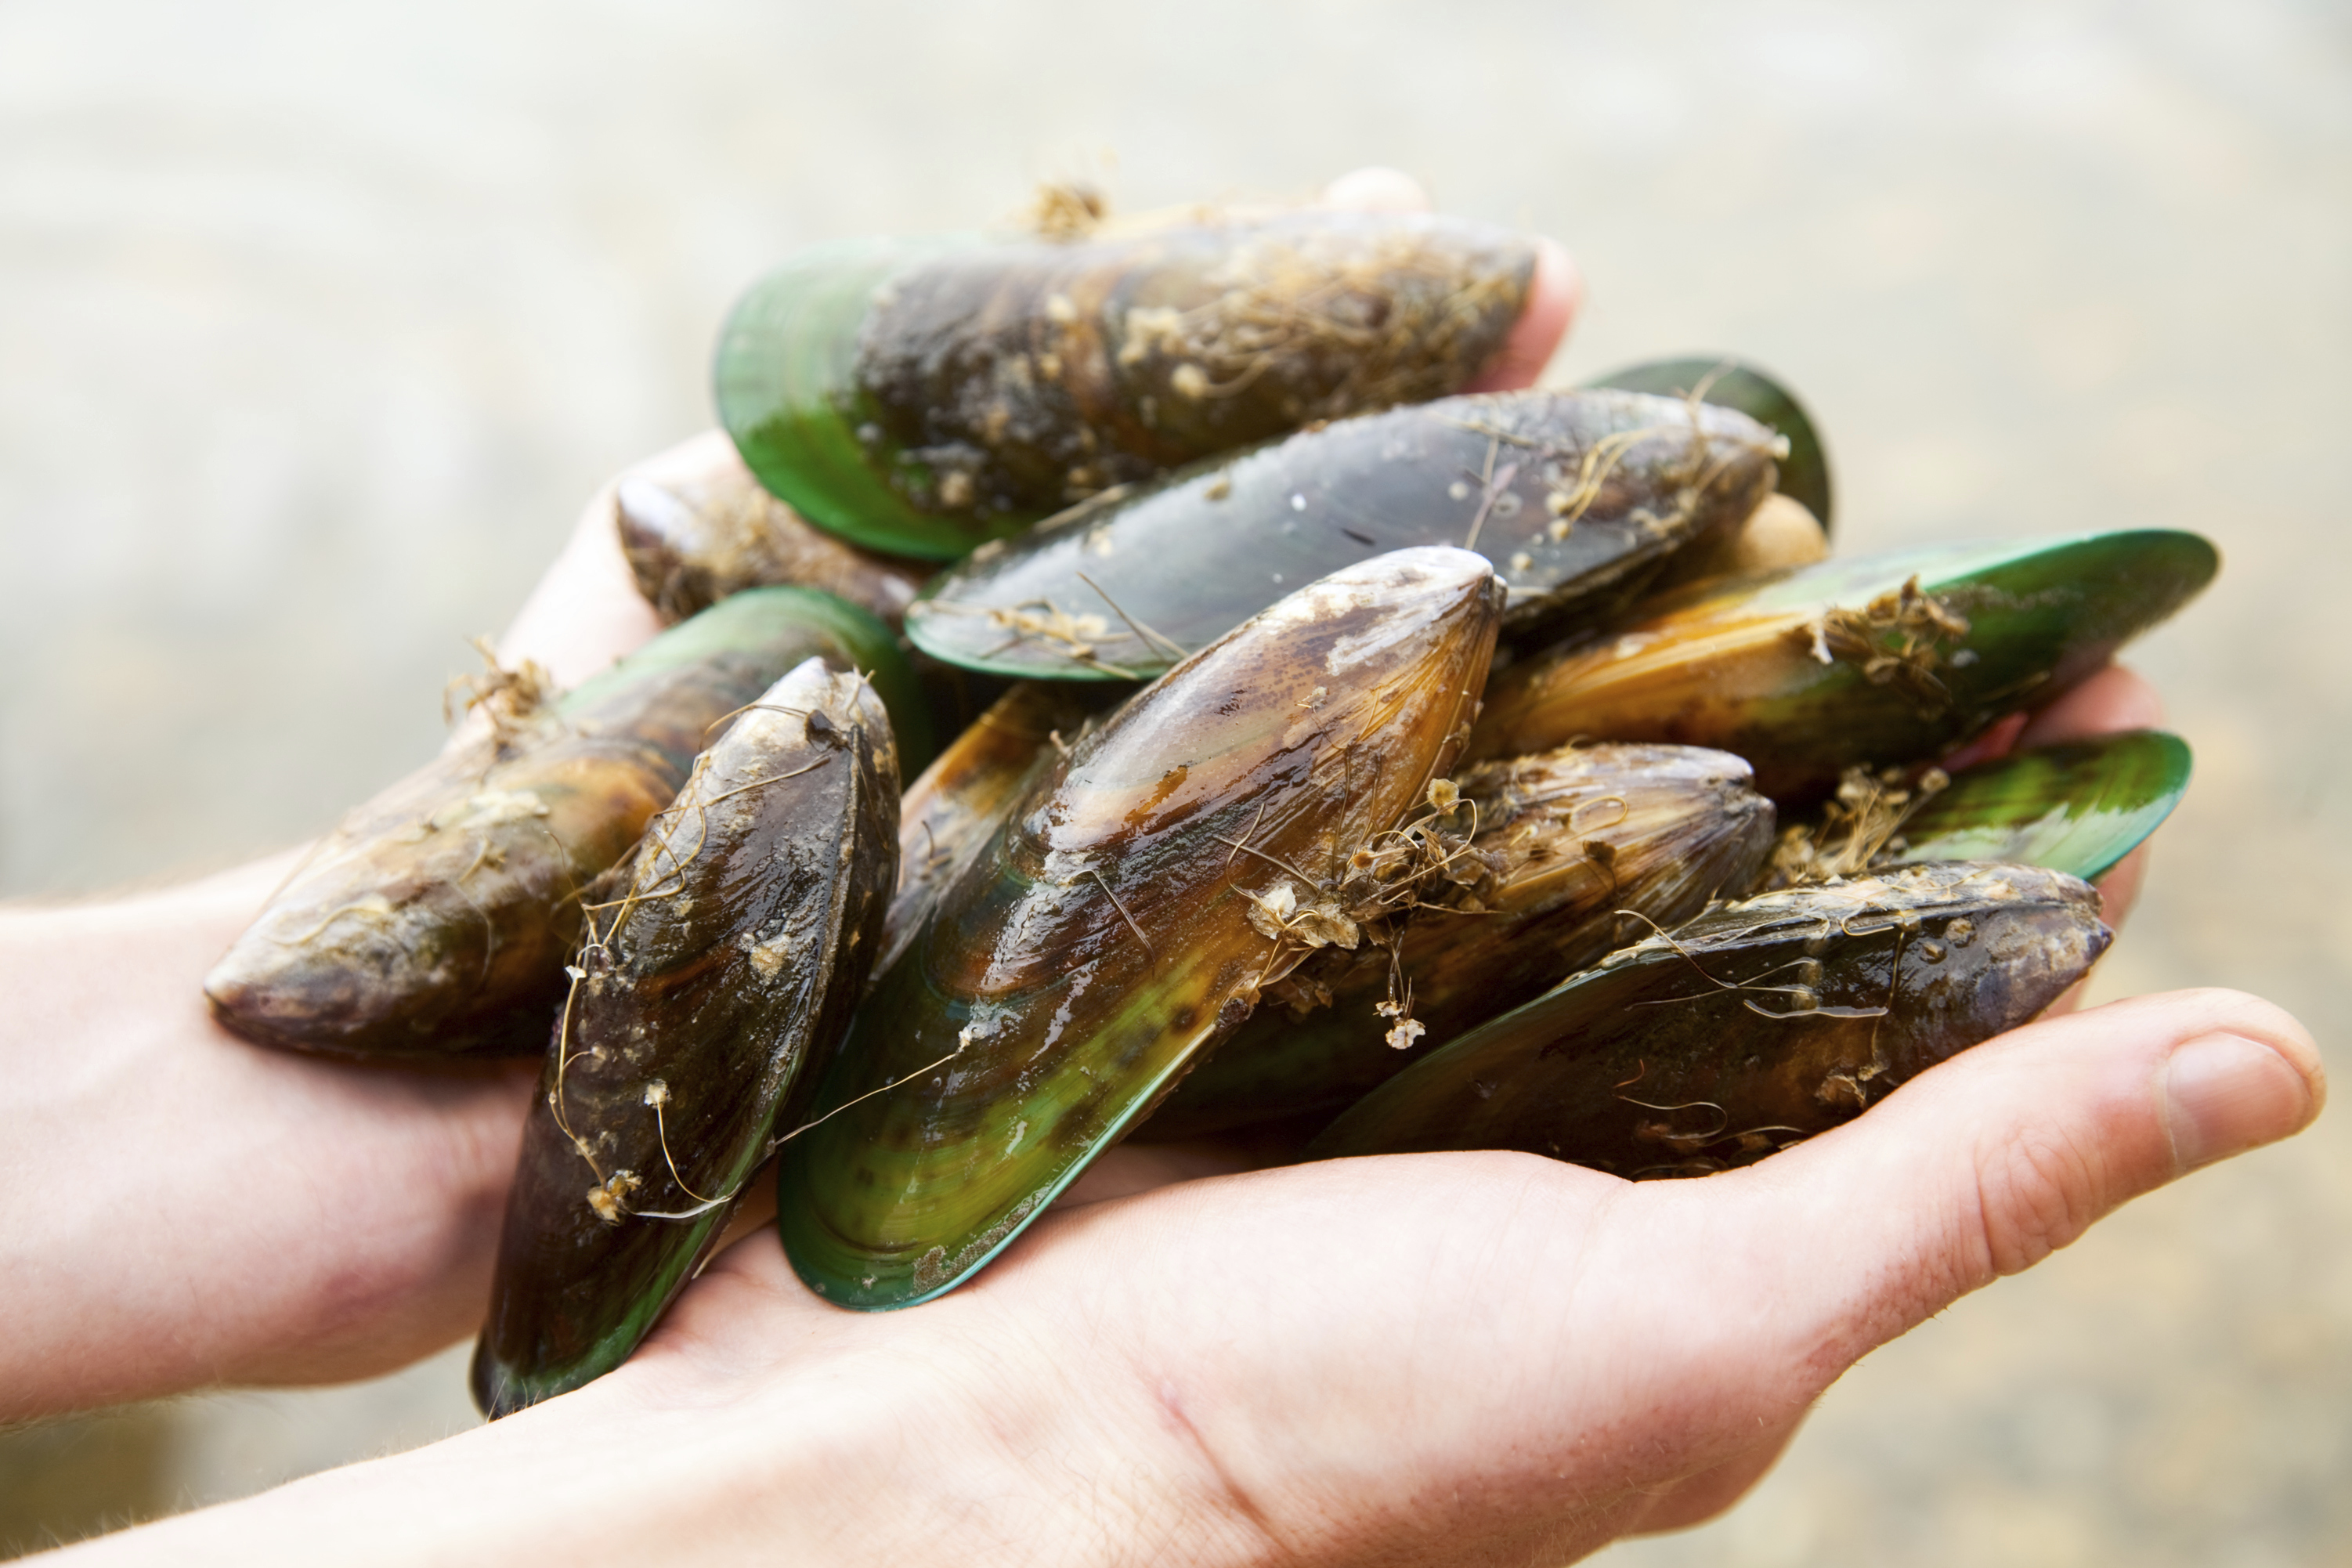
(318, 325)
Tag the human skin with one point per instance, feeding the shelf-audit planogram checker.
(1427, 1358)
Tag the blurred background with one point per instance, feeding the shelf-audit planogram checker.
(318, 325)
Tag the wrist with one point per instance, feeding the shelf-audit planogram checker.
(192, 1209)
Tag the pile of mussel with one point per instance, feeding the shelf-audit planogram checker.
(1328, 756)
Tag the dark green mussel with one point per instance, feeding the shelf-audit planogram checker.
(1543, 864)
(722, 961)
(436, 919)
(1875, 660)
(1750, 1028)
(2077, 807)
(1731, 383)
(1116, 926)
(920, 397)
(1578, 497)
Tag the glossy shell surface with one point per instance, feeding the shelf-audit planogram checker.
(1575, 849)
(723, 958)
(2078, 807)
(920, 396)
(436, 919)
(1869, 660)
(696, 527)
(1079, 965)
(961, 800)
(1576, 496)
(1731, 383)
(1750, 1028)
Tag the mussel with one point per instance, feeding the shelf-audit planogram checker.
(436, 919)
(696, 527)
(1875, 660)
(1578, 497)
(722, 960)
(2078, 807)
(1748, 1028)
(1731, 383)
(922, 396)
(962, 798)
(1570, 849)
(1134, 908)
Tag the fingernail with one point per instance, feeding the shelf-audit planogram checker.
(2224, 1094)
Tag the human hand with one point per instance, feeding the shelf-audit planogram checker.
(1440, 1358)
(321, 1220)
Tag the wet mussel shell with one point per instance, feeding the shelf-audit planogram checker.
(1750, 1028)
(696, 527)
(1731, 383)
(1807, 672)
(1582, 845)
(2078, 807)
(436, 919)
(960, 801)
(1103, 939)
(922, 396)
(725, 956)
(1578, 497)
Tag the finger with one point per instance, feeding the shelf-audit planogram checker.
(1555, 290)
(1555, 293)
(1985, 1165)
(1377, 189)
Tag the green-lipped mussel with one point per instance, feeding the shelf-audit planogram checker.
(696, 527)
(1732, 383)
(434, 921)
(722, 961)
(922, 396)
(1117, 925)
(1572, 850)
(1578, 497)
(960, 801)
(1876, 660)
(2078, 807)
(1753, 1026)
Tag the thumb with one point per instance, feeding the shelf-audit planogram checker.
(1990, 1163)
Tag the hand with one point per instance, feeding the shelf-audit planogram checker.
(1440, 1358)
(193, 1209)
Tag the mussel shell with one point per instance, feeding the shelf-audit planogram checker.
(434, 921)
(727, 952)
(922, 396)
(1731, 383)
(962, 797)
(1743, 665)
(1751, 1028)
(1127, 584)
(1103, 939)
(1592, 842)
(2078, 807)
(696, 527)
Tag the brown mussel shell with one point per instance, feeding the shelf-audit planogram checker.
(696, 527)
(922, 396)
(436, 919)
(1573, 851)
(1129, 913)
(723, 958)
(1750, 1028)
(1578, 497)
